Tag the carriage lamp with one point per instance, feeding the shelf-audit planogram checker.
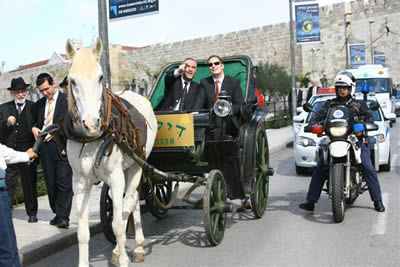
(222, 108)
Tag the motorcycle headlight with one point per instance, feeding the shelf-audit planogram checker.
(222, 108)
(338, 130)
(304, 141)
(380, 138)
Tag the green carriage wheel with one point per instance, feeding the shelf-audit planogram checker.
(214, 207)
(259, 197)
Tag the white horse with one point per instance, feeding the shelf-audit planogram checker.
(118, 170)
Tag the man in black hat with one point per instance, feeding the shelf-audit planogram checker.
(15, 131)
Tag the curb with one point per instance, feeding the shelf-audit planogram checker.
(281, 146)
(35, 252)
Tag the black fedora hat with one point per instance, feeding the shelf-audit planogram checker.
(18, 84)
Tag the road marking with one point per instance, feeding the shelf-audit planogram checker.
(379, 228)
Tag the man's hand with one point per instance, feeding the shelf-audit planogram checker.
(36, 131)
(11, 121)
(64, 152)
(32, 155)
(181, 67)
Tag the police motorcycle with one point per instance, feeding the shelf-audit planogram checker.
(341, 152)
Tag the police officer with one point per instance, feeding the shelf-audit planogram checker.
(345, 87)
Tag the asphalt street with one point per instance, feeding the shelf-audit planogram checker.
(285, 236)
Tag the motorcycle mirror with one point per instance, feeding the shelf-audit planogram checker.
(307, 107)
(374, 105)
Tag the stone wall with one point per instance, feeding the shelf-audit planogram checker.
(268, 43)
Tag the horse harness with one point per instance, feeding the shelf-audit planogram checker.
(121, 122)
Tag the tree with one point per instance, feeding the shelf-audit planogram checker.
(272, 79)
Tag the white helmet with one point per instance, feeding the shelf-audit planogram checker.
(345, 79)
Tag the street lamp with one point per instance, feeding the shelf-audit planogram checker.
(370, 41)
(313, 50)
(346, 24)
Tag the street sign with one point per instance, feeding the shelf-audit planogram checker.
(126, 9)
(307, 23)
(357, 55)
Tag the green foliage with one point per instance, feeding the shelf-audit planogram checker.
(282, 119)
(304, 79)
(272, 79)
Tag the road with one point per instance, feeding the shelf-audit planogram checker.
(285, 236)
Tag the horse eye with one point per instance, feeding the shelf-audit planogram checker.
(101, 78)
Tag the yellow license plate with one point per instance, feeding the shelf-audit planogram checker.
(174, 130)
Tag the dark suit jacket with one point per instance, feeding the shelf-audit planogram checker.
(174, 91)
(299, 98)
(59, 112)
(309, 93)
(230, 85)
(7, 133)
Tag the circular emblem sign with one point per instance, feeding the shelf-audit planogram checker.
(337, 114)
(307, 26)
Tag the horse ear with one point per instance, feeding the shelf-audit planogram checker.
(69, 48)
(98, 47)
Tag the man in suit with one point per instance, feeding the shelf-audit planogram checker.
(180, 89)
(312, 90)
(57, 172)
(215, 84)
(299, 97)
(15, 132)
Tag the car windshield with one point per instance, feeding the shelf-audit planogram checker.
(397, 93)
(377, 85)
(318, 105)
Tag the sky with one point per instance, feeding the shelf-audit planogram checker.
(31, 30)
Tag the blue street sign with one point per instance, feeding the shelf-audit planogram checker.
(126, 9)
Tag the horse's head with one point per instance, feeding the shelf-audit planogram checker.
(85, 88)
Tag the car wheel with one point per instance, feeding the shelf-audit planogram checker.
(385, 167)
(301, 170)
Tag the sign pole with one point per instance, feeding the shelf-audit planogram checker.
(292, 60)
(103, 34)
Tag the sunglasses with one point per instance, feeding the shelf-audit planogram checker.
(214, 63)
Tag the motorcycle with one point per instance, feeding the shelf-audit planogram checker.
(341, 152)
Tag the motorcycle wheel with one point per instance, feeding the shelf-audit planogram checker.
(338, 201)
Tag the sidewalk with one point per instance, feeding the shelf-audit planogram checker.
(38, 240)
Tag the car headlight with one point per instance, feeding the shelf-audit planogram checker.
(338, 130)
(380, 138)
(304, 141)
(222, 108)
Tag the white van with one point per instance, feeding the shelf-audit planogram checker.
(379, 82)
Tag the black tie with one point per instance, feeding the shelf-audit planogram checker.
(19, 105)
(182, 103)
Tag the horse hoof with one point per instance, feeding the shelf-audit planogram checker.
(138, 257)
(114, 259)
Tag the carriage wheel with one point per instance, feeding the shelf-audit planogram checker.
(214, 207)
(163, 192)
(106, 214)
(259, 196)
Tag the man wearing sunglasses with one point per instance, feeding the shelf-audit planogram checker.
(180, 90)
(220, 82)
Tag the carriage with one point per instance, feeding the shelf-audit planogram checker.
(186, 151)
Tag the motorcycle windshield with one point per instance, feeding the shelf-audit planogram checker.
(338, 115)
